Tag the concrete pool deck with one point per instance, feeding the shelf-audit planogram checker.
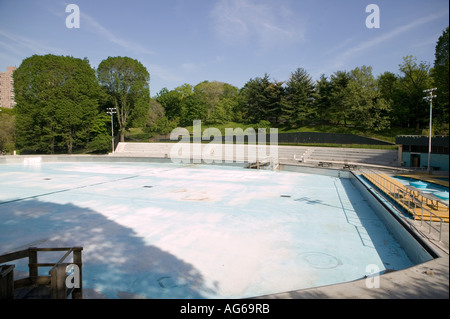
(427, 280)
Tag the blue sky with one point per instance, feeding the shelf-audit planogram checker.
(189, 41)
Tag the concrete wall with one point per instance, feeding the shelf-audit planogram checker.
(437, 160)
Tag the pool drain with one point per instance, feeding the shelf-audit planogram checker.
(320, 260)
(167, 282)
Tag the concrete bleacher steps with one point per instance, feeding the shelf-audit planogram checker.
(246, 153)
(210, 151)
(356, 155)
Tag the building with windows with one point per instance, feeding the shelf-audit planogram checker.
(7, 88)
(413, 151)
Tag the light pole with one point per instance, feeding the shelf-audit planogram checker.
(430, 98)
(111, 111)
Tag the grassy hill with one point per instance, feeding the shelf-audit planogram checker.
(138, 135)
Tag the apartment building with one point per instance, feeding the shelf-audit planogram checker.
(7, 88)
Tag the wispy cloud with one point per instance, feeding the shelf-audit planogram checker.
(266, 22)
(367, 45)
(164, 74)
(22, 45)
(92, 25)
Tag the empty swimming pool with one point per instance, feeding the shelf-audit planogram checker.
(164, 230)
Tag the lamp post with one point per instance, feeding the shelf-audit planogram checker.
(111, 111)
(430, 98)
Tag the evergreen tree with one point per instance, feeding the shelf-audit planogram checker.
(261, 100)
(440, 79)
(300, 96)
(339, 106)
(323, 99)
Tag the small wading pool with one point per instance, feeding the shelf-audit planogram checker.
(164, 230)
(425, 187)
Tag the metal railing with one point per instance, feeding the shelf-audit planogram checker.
(405, 198)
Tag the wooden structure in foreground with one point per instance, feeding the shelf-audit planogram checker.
(420, 205)
(37, 286)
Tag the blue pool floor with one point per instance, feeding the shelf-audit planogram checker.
(194, 231)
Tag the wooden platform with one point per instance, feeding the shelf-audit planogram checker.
(35, 286)
(403, 196)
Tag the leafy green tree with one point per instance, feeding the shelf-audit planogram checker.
(101, 132)
(218, 98)
(194, 108)
(157, 121)
(390, 91)
(126, 82)
(414, 79)
(57, 101)
(171, 103)
(367, 108)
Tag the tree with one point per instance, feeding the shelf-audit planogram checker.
(389, 89)
(6, 130)
(218, 98)
(323, 99)
(57, 101)
(440, 74)
(261, 100)
(366, 106)
(101, 131)
(126, 82)
(187, 107)
(275, 93)
(157, 122)
(300, 96)
(171, 103)
(339, 106)
(415, 78)
(194, 108)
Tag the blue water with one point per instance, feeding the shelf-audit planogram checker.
(431, 188)
(194, 231)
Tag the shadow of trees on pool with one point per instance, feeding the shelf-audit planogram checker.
(117, 263)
